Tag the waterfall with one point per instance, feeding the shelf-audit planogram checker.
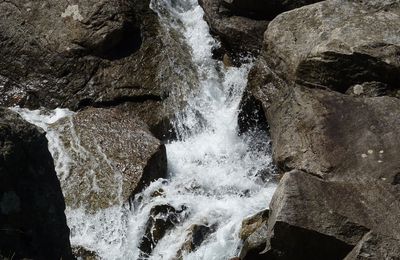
(215, 175)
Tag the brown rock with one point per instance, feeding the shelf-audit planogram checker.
(112, 156)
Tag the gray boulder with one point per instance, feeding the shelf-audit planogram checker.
(373, 246)
(32, 220)
(343, 148)
(336, 44)
(111, 154)
(313, 218)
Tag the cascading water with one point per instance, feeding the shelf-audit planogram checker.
(216, 176)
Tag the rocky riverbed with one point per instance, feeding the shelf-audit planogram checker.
(210, 129)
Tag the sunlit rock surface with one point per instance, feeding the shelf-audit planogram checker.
(111, 154)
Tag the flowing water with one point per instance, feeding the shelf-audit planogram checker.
(217, 176)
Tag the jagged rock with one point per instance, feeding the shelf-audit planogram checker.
(238, 34)
(346, 146)
(197, 234)
(99, 53)
(255, 244)
(264, 9)
(336, 44)
(375, 247)
(112, 156)
(162, 219)
(81, 253)
(309, 221)
(32, 220)
(251, 224)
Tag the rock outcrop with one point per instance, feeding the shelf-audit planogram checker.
(111, 156)
(32, 220)
(341, 194)
(92, 53)
(162, 218)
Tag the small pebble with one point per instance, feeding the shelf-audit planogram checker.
(370, 151)
(364, 155)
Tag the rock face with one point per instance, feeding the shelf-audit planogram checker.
(374, 246)
(100, 53)
(254, 233)
(332, 35)
(342, 195)
(197, 234)
(32, 220)
(111, 155)
(162, 219)
(237, 34)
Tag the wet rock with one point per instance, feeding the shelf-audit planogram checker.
(373, 246)
(162, 219)
(32, 220)
(239, 35)
(110, 154)
(92, 53)
(197, 234)
(336, 44)
(251, 114)
(255, 244)
(251, 224)
(81, 253)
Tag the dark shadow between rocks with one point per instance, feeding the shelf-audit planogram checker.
(121, 43)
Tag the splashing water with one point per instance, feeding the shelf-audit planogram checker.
(218, 176)
(213, 172)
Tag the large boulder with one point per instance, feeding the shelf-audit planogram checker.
(109, 156)
(100, 53)
(336, 44)
(310, 221)
(32, 220)
(326, 81)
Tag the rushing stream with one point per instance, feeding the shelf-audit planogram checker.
(217, 176)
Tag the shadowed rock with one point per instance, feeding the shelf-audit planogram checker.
(32, 220)
(162, 219)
